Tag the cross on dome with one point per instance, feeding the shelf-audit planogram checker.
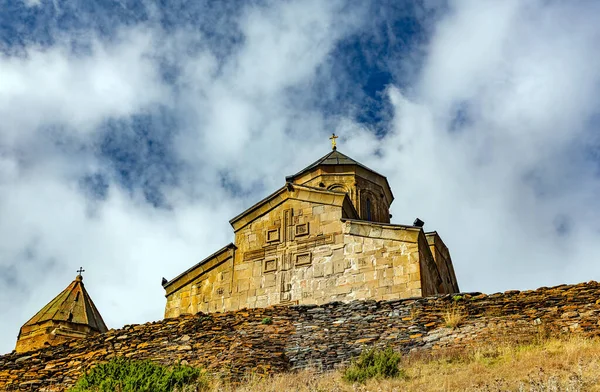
(333, 141)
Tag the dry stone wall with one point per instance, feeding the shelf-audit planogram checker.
(283, 338)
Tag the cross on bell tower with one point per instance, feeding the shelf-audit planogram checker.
(79, 271)
(333, 141)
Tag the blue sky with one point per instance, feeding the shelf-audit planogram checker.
(133, 131)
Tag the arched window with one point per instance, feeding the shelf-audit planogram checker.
(368, 209)
(337, 188)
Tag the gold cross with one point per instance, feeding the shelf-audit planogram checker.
(333, 143)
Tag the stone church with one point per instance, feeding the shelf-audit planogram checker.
(324, 236)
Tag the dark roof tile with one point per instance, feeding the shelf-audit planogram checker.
(73, 305)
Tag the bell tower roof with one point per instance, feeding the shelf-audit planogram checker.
(336, 158)
(332, 158)
(72, 305)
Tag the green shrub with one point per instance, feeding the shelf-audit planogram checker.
(267, 321)
(125, 375)
(374, 363)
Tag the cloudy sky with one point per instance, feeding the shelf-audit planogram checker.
(132, 131)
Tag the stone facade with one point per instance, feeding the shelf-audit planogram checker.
(50, 333)
(324, 236)
(322, 337)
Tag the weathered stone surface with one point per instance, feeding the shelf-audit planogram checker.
(324, 337)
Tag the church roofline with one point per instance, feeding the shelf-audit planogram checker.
(337, 158)
(61, 308)
(391, 225)
(271, 197)
(229, 246)
(435, 236)
(280, 195)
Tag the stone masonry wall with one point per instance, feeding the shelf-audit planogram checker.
(329, 259)
(324, 336)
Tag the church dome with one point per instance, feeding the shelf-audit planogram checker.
(368, 190)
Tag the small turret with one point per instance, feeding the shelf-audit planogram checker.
(70, 315)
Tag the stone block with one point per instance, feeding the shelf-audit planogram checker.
(412, 268)
(362, 294)
(318, 270)
(328, 268)
(242, 267)
(244, 274)
(414, 284)
(330, 228)
(358, 278)
(323, 251)
(354, 248)
(399, 288)
(381, 291)
(317, 210)
(251, 301)
(338, 242)
(415, 292)
(345, 289)
(339, 266)
(270, 280)
(375, 231)
(257, 268)
(359, 230)
(398, 271)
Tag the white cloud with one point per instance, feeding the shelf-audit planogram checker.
(32, 3)
(49, 86)
(507, 188)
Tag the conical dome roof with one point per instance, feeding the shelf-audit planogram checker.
(72, 305)
(332, 158)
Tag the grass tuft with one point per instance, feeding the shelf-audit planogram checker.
(453, 316)
(374, 364)
(267, 321)
(125, 375)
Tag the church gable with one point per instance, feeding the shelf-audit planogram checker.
(271, 238)
(278, 247)
(294, 192)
